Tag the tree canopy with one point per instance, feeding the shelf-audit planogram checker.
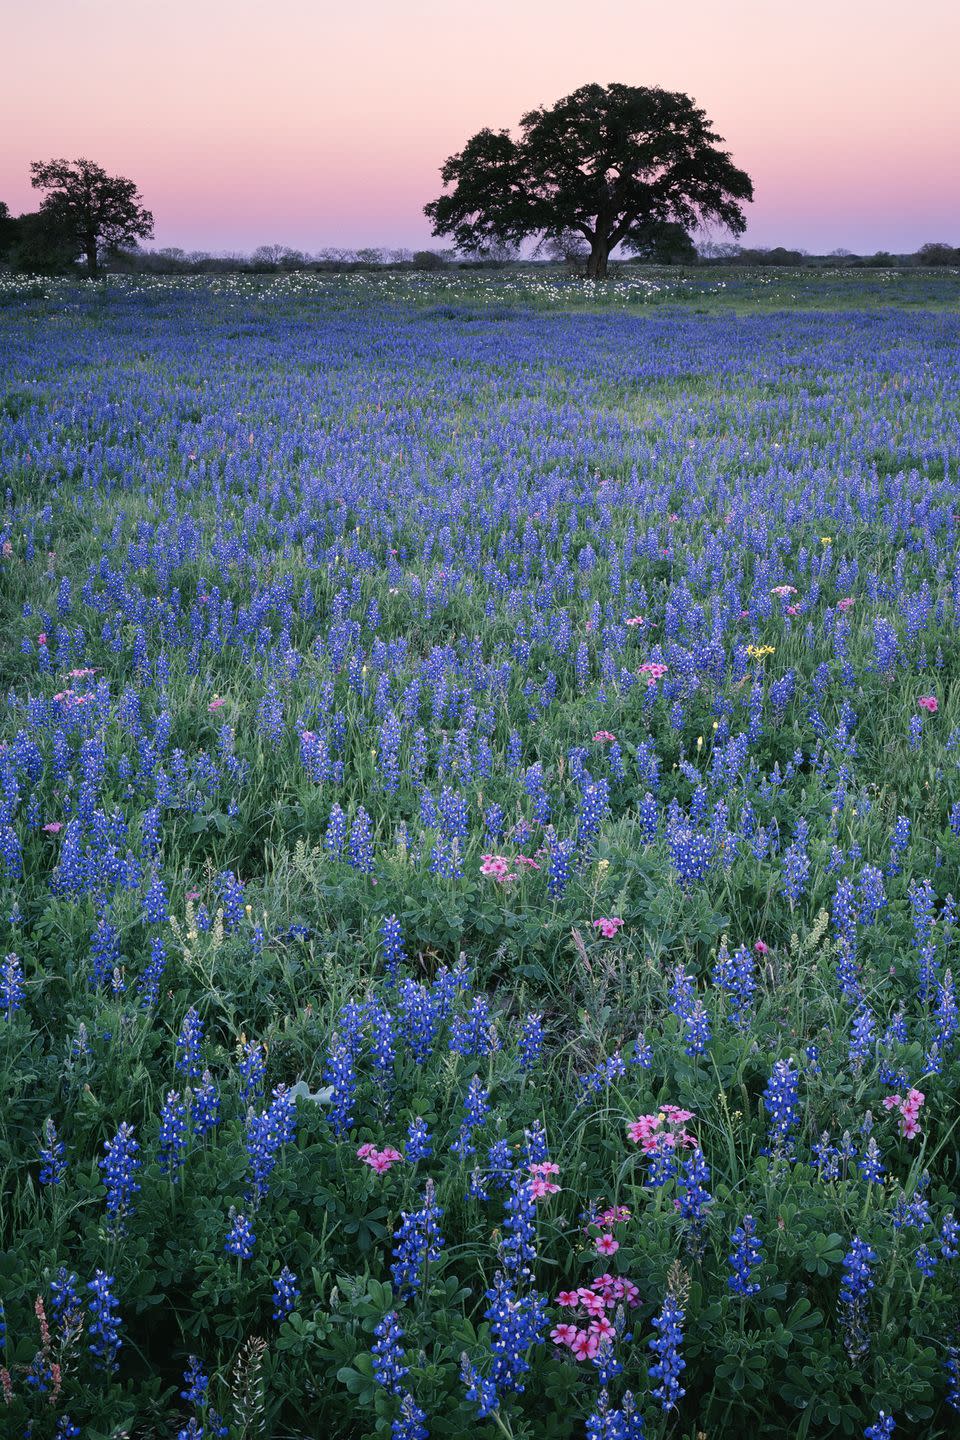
(608, 162)
(93, 210)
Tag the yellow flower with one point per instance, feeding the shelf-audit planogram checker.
(826, 539)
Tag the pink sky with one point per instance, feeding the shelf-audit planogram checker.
(320, 122)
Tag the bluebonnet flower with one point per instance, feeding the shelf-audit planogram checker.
(252, 1068)
(870, 1164)
(862, 1038)
(188, 1044)
(470, 1033)
(855, 1288)
(562, 857)
(607, 1423)
(691, 853)
(393, 952)
(52, 1156)
(745, 1257)
(120, 1165)
(417, 1242)
(518, 1245)
(266, 1134)
(104, 1326)
(11, 986)
(410, 1424)
(148, 984)
(65, 1301)
(882, 1428)
(339, 1073)
(951, 1366)
(476, 1108)
(693, 1199)
(950, 1237)
(419, 1143)
(388, 1354)
(782, 1103)
(419, 1019)
(172, 1140)
(666, 1345)
(285, 1294)
(517, 1323)
(531, 1042)
(240, 1236)
(205, 1106)
(361, 842)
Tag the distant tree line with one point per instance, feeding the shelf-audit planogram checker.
(90, 222)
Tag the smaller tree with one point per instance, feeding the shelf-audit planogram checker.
(938, 252)
(97, 211)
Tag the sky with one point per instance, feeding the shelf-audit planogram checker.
(316, 123)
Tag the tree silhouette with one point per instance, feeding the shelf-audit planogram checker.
(95, 210)
(608, 162)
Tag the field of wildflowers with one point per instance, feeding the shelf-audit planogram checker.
(479, 807)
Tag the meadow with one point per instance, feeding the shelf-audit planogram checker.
(479, 838)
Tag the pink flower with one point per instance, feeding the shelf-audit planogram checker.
(541, 1188)
(497, 866)
(676, 1116)
(653, 670)
(564, 1334)
(608, 927)
(636, 620)
(845, 603)
(591, 1301)
(585, 1345)
(784, 590)
(216, 704)
(193, 894)
(569, 1298)
(762, 948)
(603, 1328)
(603, 737)
(526, 862)
(929, 703)
(909, 1109)
(53, 827)
(606, 1245)
(380, 1161)
(793, 609)
(41, 638)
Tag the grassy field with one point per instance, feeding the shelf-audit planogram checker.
(479, 824)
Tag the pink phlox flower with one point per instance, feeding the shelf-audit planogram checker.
(585, 1345)
(784, 590)
(653, 670)
(846, 602)
(526, 862)
(53, 827)
(570, 1299)
(603, 1327)
(216, 704)
(591, 1301)
(636, 620)
(498, 867)
(608, 927)
(761, 947)
(793, 609)
(564, 1334)
(603, 737)
(606, 1244)
(929, 703)
(380, 1161)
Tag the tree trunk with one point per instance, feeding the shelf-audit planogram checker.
(90, 248)
(599, 254)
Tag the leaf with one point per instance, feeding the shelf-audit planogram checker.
(302, 1091)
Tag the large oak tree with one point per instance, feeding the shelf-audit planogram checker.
(96, 211)
(608, 162)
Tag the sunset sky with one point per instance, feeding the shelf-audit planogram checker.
(313, 123)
